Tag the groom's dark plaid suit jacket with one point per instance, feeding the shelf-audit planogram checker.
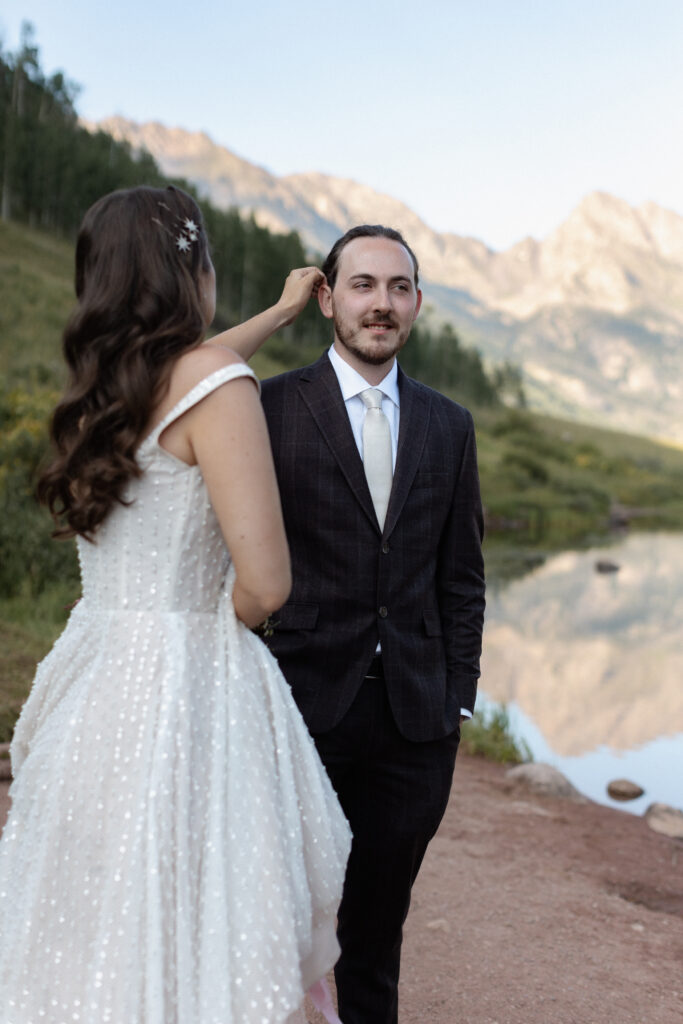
(417, 586)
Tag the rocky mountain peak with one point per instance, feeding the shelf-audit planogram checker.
(602, 220)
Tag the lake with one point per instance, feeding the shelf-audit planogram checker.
(590, 665)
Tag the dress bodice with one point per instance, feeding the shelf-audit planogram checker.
(163, 549)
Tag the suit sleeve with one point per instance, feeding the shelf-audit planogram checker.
(460, 577)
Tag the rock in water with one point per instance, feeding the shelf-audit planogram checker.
(605, 565)
(622, 789)
(665, 819)
(544, 779)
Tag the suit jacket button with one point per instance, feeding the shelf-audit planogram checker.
(383, 612)
(385, 548)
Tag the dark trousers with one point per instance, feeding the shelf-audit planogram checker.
(394, 794)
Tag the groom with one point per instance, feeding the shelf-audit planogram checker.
(381, 636)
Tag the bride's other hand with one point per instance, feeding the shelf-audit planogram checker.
(300, 285)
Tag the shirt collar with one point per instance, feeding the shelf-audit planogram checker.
(352, 383)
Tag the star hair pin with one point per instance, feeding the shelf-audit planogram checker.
(188, 235)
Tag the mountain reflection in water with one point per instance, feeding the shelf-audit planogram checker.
(591, 664)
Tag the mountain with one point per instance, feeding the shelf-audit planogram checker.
(593, 313)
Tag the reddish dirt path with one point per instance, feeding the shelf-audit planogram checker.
(531, 910)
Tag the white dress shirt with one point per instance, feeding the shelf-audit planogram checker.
(351, 384)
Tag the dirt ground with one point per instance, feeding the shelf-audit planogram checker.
(532, 910)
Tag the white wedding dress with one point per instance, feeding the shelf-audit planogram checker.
(175, 852)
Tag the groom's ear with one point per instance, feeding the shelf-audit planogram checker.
(325, 300)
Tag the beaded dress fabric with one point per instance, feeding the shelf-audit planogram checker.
(175, 853)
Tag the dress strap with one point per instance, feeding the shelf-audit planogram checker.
(195, 395)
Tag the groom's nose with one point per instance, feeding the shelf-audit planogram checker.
(382, 299)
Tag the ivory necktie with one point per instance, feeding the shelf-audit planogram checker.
(377, 452)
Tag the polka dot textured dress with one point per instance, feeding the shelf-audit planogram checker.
(175, 853)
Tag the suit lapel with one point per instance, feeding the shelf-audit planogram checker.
(320, 391)
(412, 435)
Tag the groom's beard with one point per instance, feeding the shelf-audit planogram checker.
(371, 349)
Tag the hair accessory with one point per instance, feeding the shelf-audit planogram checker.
(188, 233)
(187, 236)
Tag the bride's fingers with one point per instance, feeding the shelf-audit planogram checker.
(304, 272)
(305, 281)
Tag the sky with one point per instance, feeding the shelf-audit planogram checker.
(489, 118)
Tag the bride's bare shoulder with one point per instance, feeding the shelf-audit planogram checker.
(194, 366)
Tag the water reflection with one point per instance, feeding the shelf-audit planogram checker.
(592, 664)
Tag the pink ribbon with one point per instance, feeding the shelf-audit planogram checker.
(321, 997)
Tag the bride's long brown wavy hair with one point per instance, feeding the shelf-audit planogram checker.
(139, 258)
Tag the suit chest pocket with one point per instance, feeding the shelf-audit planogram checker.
(434, 480)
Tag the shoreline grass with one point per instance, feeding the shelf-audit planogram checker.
(487, 734)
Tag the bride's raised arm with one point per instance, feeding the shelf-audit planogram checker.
(245, 339)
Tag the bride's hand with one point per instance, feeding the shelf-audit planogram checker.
(245, 339)
(299, 286)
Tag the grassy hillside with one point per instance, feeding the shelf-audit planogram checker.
(568, 480)
(547, 483)
(36, 295)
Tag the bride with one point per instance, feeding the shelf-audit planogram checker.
(175, 853)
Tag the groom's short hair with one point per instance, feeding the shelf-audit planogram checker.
(331, 264)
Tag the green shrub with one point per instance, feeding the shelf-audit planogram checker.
(488, 735)
(528, 464)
